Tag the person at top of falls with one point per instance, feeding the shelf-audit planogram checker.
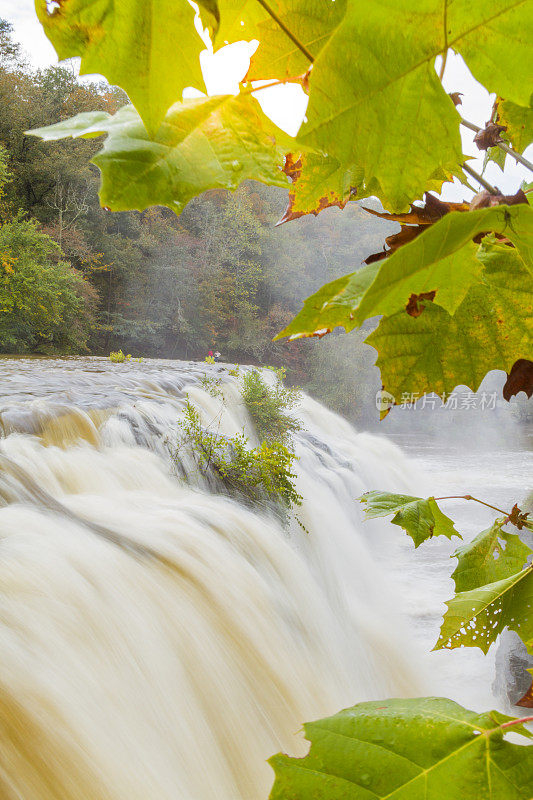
(217, 356)
(210, 354)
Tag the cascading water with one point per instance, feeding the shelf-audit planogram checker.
(158, 641)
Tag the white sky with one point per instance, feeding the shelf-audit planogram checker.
(286, 104)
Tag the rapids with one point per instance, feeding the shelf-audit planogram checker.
(159, 641)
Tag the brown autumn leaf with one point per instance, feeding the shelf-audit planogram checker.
(520, 379)
(456, 98)
(526, 701)
(489, 136)
(413, 222)
(518, 518)
(414, 307)
(486, 199)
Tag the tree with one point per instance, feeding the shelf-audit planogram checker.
(46, 305)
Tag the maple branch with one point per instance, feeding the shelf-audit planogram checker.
(486, 185)
(505, 147)
(286, 30)
(475, 499)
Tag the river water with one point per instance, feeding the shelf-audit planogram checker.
(160, 640)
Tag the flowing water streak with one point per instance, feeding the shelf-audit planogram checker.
(159, 641)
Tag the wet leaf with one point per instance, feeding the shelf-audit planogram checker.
(205, 143)
(420, 518)
(476, 618)
(519, 379)
(493, 555)
(442, 259)
(438, 351)
(409, 748)
(133, 44)
(332, 303)
(384, 105)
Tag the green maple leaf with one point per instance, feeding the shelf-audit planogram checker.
(443, 259)
(205, 143)
(310, 21)
(407, 750)
(476, 618)
(492, 556)
(377, 103)
(491, 329)
(150, 49)
(327, 308)
(519, 123)
(318, 183)
(420, 518)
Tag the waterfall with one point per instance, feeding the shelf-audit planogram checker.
(158, 640)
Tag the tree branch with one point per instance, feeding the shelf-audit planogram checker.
(509, 150)
(475, 499)
(486, 185)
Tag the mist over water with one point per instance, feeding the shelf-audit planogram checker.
(161, 641)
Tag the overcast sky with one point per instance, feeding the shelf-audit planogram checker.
(286, 104)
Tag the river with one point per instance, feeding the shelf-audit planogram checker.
(160, 640)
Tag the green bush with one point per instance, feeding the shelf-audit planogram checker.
(46, 305)
(268, 406)
(256, 476)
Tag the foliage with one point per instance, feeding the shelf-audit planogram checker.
(416, 748)
(493, 583)
(254, 475)
(151, 69)
(420, 518)
(378, 122)
(118, 357)
(209, 360)
(268, 406)
(491, 556)
(244, 146)
(46, 306)
(212, 385)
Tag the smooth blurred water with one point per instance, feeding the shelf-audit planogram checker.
(160, 640)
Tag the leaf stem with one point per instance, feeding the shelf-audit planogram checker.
(505, 147)
(286, 30)
(443, 65)
(516, 722)
(475, 499)
(486, 185)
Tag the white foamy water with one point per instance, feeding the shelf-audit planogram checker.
(159, 641)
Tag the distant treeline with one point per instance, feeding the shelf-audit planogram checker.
(79, 279)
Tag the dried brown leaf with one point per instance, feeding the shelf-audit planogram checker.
(520, 379)
(489, 136)
(415, 305)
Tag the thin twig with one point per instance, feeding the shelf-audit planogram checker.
(486, 185)
(475, 499)
(502, 145)
(286, 30)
